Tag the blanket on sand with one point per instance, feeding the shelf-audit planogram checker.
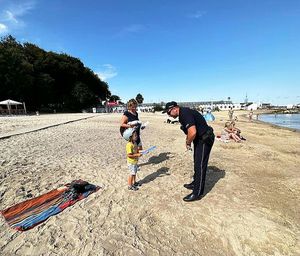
(28, 214)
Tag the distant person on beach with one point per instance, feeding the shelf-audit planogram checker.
(230, 113)
(250, 114)
(197, 131)
(132, 157)
(130, 115)
(169, 121)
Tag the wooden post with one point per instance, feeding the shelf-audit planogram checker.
(24, 108)
(8, 106)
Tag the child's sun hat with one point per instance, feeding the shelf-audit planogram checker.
(128, 133)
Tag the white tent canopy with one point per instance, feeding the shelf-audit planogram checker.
(10, 103)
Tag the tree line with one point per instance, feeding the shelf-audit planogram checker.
(47, 81)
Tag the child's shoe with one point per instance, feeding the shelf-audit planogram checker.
(137, 184)
(133, 188)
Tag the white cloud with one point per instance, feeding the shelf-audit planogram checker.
(131, 29)
(108, 71)
(197, 15)
(3, 28)
(21, 9)
(12, 15)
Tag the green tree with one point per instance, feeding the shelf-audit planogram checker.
(82, 96)
(139, 98)
(15, 70)
(157, 107)
(47, 80)
(114, 98)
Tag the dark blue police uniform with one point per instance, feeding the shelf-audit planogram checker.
(203, 143)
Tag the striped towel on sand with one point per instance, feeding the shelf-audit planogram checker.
(26, 215)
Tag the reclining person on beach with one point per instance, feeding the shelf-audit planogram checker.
(133, 155)
(229, 132)
(236, 130)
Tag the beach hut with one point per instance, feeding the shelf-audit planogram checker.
(12, 107)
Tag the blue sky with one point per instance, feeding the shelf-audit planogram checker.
(192, 50)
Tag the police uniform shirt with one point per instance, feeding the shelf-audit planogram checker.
(189, 117)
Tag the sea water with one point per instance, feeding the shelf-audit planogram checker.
(285, 120)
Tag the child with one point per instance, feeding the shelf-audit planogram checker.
(132, 156)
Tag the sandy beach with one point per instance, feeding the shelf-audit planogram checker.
(251, 204)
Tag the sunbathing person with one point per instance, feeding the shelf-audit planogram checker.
(236, 130)
(230, 133)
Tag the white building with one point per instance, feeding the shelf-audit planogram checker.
(252, 106)
(221, 105)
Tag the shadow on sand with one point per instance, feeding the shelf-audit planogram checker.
(157, 159)
(163, 171)
(213, 175)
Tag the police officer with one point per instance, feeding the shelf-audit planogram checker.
(197, 131)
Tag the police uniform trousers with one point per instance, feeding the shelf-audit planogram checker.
(201, 156)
